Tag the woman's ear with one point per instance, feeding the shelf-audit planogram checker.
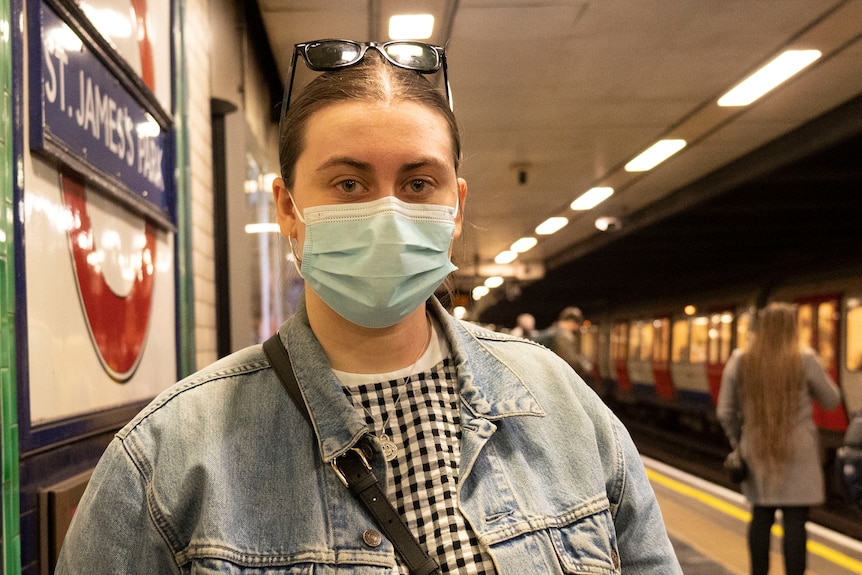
(285, 210)
(462, 201)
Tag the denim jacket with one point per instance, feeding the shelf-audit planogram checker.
(222, 474)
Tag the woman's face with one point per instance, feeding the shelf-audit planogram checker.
(363, 151)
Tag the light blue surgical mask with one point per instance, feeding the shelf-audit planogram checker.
(376, 262)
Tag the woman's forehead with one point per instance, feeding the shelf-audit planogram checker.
(377, 111)
(359, 125)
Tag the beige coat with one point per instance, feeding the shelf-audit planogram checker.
(802, 480)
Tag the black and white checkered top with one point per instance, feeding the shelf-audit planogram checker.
(420, 413)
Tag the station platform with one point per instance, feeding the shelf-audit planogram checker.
(707, 525)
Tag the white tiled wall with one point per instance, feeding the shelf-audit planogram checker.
(198, 38)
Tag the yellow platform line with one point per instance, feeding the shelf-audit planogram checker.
(813, 547)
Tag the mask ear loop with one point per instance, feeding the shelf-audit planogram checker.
(297, 261)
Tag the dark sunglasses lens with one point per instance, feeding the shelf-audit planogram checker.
(331, 54)
(414, 56)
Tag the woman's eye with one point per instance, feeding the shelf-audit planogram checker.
(418, 185)
(349, 186)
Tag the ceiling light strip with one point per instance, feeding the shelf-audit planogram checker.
(779, 70)
(654, 155)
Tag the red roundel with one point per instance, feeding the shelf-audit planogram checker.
(118, 324)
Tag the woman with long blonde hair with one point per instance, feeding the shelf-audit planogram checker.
(765, 408)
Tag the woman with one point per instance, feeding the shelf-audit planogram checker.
(494, 453)
(765, 407)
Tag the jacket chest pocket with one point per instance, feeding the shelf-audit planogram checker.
(587, 545)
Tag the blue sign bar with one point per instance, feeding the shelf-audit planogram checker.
(90, 118)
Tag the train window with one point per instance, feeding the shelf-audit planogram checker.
(661, 339)
(679, 353)
(634, 340)
(720, 331)
(618, 341)
(714, 335)
(854, 335)
(588, 342)
(743, 329)
(726, 336)
(826, 325)
(699, 339)
(647, 333)
(805, 323)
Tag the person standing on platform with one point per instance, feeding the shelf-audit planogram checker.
(848, 462)
(525, 327)
(765, 408)
(495, 457)
(564, 339)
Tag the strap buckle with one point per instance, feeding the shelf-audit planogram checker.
(362, 457)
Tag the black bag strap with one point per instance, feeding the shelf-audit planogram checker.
(354, 470)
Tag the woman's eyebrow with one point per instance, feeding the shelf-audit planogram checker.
(338, 161)
(422, 163)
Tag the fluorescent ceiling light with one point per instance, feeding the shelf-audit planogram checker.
(479, 292)
(523, 245)
(591, 198)
(411, 26)
(774, 73)
(494, 281)
(263, 228)
(551, 225)
(654, 155)
(505, 257)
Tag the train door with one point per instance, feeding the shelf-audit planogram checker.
(689, 336)
(604, 364)
(851, 384)
(720, 333)
(619, 353)
(818, 320)
(640, 359)
(661, 358)
(743, 329)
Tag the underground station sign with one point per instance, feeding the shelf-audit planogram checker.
(89, 114)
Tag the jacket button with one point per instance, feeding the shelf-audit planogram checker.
(372, 538)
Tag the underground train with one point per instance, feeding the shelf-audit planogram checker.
(663, 362)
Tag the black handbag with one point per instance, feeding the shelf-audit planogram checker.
(735, 466)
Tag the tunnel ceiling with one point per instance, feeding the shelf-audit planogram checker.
(761, 220)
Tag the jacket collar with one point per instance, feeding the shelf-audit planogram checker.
(337, 425)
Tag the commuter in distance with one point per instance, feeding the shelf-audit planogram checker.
(564, 339)
(765, 408)
(525, 326)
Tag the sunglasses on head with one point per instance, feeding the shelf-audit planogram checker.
(330, 55)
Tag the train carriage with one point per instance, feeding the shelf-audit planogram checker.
(664, 368)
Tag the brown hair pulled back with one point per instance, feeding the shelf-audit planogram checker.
(372, 80)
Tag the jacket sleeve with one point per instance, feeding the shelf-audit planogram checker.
(112, 530)
(644, 546)
(821, 386)
(728, 407)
